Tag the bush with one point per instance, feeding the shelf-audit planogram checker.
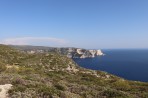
(12, 70)
(121, 85)
(43, 90)
(114, 94)
(18, 81)
(2, 67)
(144, 95)
(24, 70)
(60, 87)
(18, 88)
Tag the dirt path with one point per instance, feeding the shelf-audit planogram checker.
(4, 89)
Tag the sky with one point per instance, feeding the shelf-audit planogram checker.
(91, 24)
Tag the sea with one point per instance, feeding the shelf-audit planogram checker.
(130, 64)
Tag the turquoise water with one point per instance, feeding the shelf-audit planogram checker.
(129, 64)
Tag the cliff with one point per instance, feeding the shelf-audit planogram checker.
(83, 53)
(69, 52)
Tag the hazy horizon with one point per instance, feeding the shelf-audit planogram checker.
(81, 47)
(97, 24)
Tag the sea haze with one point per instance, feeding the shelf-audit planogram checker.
(129, 64)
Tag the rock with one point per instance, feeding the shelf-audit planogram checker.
(4, 89)
(83, 53)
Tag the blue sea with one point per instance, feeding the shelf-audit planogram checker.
(128, 64)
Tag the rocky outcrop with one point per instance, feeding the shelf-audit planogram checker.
(4, 89)
(83, 53)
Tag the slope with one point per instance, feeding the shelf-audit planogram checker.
(50, 75)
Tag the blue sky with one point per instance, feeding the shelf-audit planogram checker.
(75, 23)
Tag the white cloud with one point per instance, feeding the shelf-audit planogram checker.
(34, 41)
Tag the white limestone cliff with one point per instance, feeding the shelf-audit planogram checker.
(93, 52)
(99, 52)
(83, 53)
(79, 51)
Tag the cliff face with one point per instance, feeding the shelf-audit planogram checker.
(69, 52)
(83, 53)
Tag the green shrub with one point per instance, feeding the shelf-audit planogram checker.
(144, 95)
(109, 93)
(18, 81)
(2, 67)
(43, 90)
(18, 88)
(24, 70)
(60, 87)
(121, 85)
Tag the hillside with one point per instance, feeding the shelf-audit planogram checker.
(51, 75)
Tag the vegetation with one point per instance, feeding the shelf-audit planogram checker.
(50, 75)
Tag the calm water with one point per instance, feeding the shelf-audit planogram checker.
(129, 64)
